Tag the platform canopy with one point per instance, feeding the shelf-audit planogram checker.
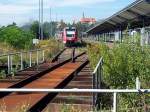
(135, 15)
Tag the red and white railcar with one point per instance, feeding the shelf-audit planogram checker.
(70, 35)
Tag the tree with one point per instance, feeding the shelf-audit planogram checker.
(35, 28)
(62, 25)
(82, 27)
(16, 37)
(49, 29)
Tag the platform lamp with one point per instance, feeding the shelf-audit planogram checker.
(41, 19)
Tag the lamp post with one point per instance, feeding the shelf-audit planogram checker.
(51, 22)
(41, 19)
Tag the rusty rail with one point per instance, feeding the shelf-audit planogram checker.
(55, 58)
(48, 98)
(43, 99)
(37, 76)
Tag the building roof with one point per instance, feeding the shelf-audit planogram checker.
(88, 20)
(135, 15)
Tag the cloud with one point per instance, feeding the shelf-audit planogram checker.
(14, 9)
(64, 3)
(23, 10)
(18, 6)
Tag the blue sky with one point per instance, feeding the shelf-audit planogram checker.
(24, 11)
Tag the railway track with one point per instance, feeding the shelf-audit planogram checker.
(32, 71)
(79, 101)
(57, 73)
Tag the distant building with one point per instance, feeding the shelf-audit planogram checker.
(87, 20)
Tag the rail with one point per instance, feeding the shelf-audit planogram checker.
(55, 58)
(97, 79)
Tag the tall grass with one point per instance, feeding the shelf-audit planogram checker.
(122, 64)
(51, 48)
(6, 48)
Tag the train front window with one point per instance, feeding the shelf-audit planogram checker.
(70, 33)
(70, 30)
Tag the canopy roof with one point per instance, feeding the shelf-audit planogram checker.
(135, 15)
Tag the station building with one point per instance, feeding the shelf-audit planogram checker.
(133, 19)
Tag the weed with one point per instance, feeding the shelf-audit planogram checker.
(2, 74)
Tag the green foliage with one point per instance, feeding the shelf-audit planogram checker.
(2, 74)
(48, 28)
(16, 37)
(34, 28)
(51, 28)
(62, 25)
(3, 60)
(95, 52)
(82, 27)
(122, 64)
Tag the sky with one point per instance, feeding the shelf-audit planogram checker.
(25, 11)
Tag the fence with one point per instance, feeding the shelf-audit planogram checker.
(114, 91)
(39, 58)
(97, 78)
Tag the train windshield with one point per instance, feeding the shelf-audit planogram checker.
(70, 32)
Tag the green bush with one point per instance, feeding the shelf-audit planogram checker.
(16, 37)
(2, 74)
(122, 64)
